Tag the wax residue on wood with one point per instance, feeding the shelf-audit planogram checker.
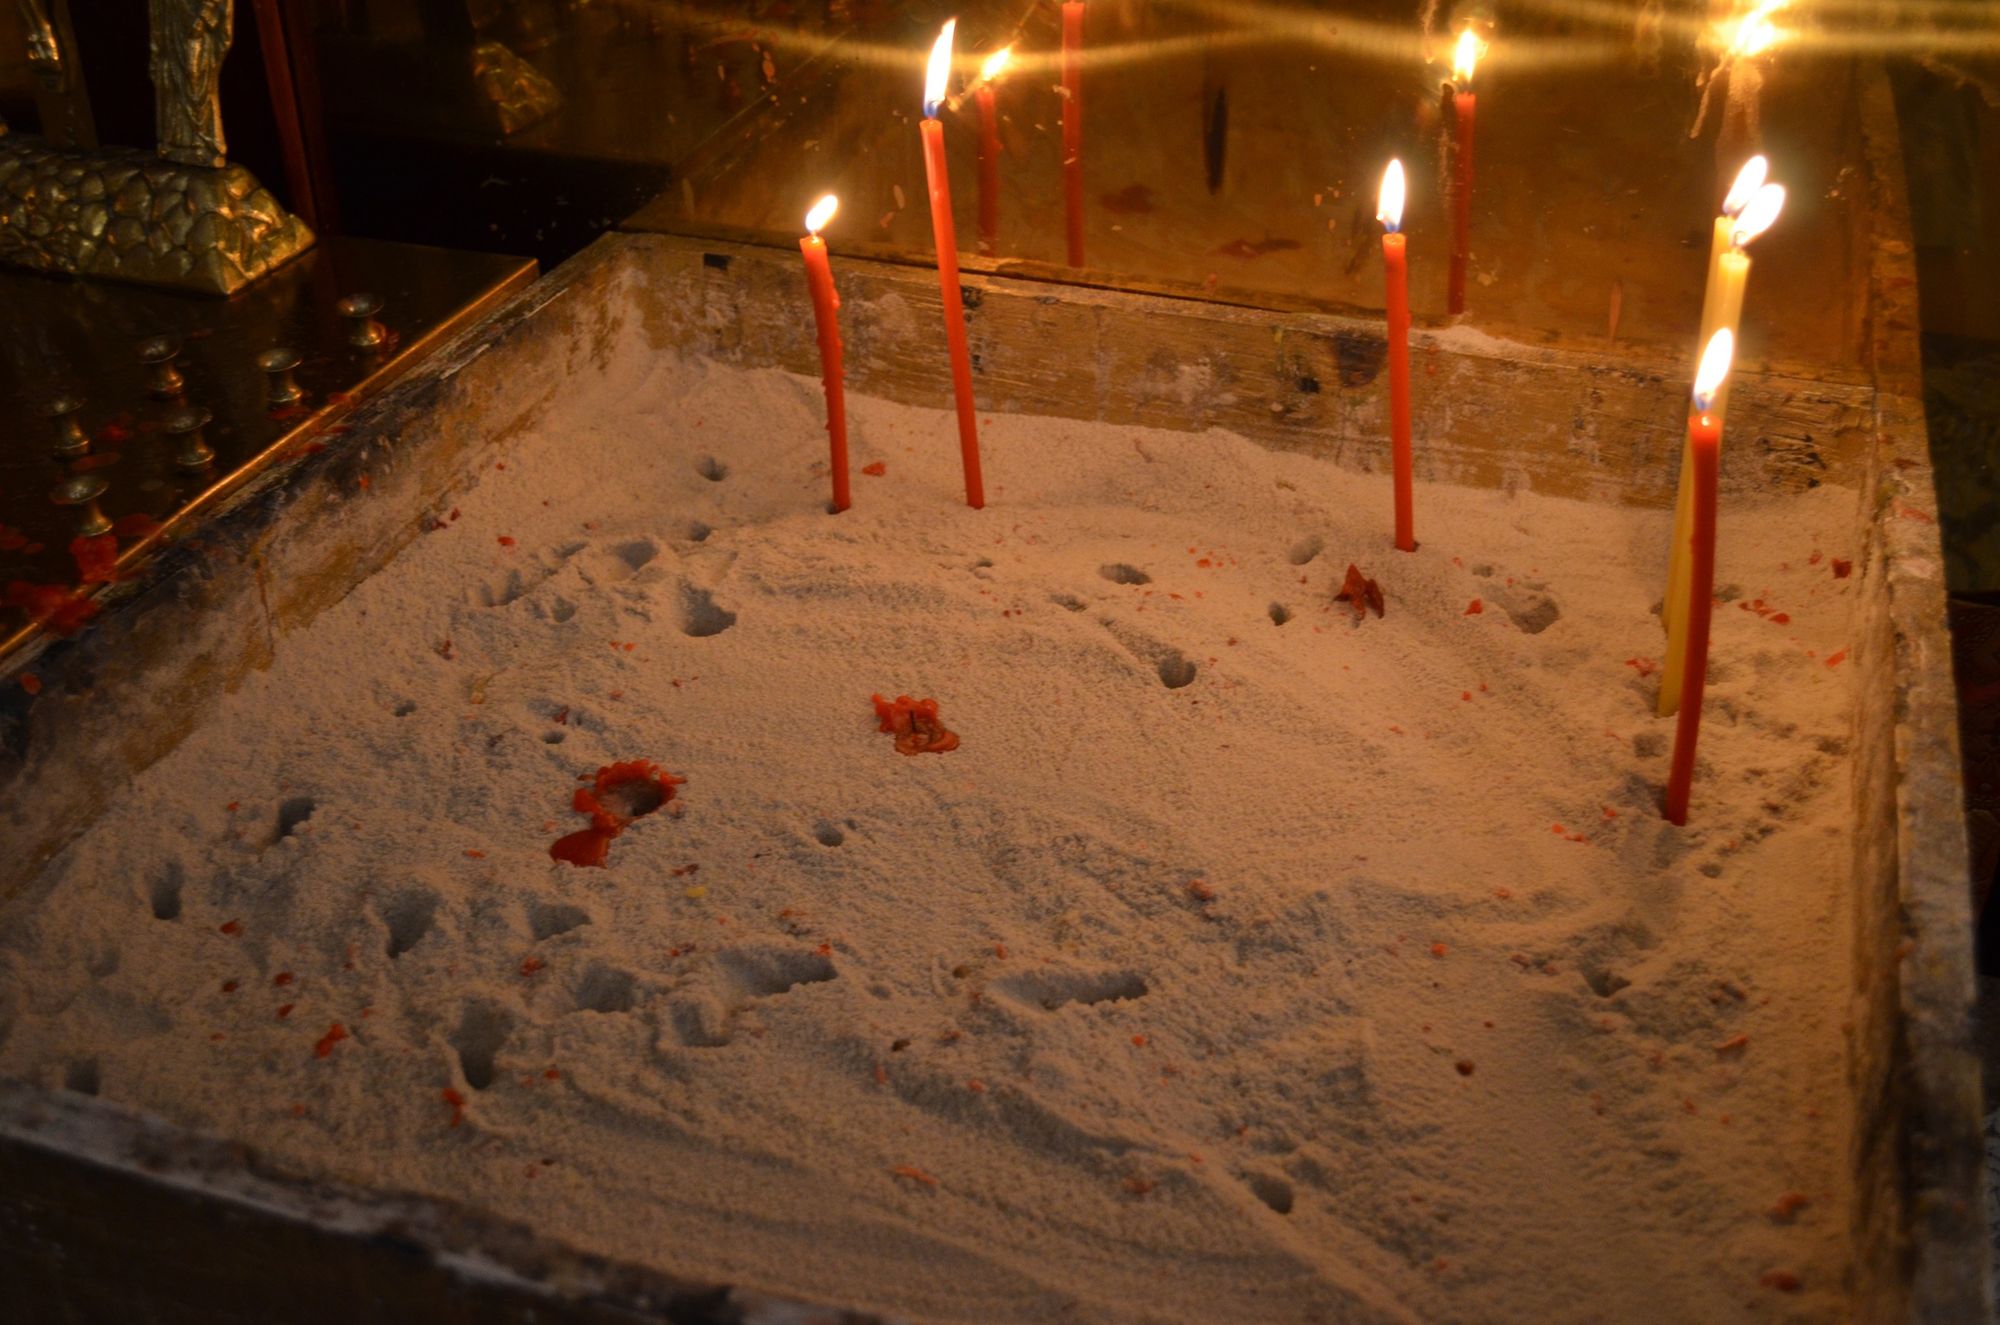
(1231, 969)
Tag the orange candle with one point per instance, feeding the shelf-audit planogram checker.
(989, 152)
(1072, 126)
(1463, 106)
(826, 319)
(946, 235)
(1704, 449)
(1389, 211)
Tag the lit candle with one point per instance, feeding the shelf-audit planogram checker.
(1687, 666)
(989, 151)
(826, 318)
(1072, 126)
(1463, 106)
(937, 80)
(1389, 211)
(1722, 311)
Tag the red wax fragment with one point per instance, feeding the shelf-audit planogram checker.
(1836, 659)
(1782, 1280)
(876, 470)
(229, 986)
(1644, 666)
(285, 1010)
(113, 433)
(31, 683)
(1474, 608)
(282, 978)
(529, 965)
(457, 1103)
(232, 927)
(1363, 593)
(584, 847)
(506, 541)
(55, 607)
(334, 1035)
(916, 725)
(1780, 619)
(1842, 568)
(475, 855)
(11, 538)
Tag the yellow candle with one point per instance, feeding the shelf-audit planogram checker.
(1722, 310)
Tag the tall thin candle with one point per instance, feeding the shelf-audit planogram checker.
(1389, 211)
(1464, 106)
(1723, 311)
(989, 150)
(826, 320)
(1072, 126)
(1704, 438)
(937, 80)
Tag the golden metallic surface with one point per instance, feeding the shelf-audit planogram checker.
(190, 39)
(127, 215)
(519, 93)
(84, 490)
(77, 339)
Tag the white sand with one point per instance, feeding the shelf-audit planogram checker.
(994, 966)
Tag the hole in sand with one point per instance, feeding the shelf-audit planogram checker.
(1605, 983)
(1306, 549)
(555, 736)
(1280, 614)
(1649, 745)
(773, 971)
(1067, 602)
(408, 916)
(561, 610)
(636, 553)
(1052, 989)
(696, 532)
(1536, 616)
(604, 989)
(81, 1076)
(405, 708)
(548, 919)
(827, 835)
(482, 1029)
(1176, 671)
(292, 813)
(701, 616)
(1274, 1192)
(1120, 573)
(632, 798)
(711, 469)
(167, 892)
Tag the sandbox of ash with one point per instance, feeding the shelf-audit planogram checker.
(1248, 954)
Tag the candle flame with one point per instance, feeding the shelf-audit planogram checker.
(1748, 181)
(995, 64)
(822, 212)
(1389, 203)
(1754, 33)
(1757, 216)
(1465, 55)
(937, 76)
(1714, 367)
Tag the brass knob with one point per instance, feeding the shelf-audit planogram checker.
(71, 440)
(84, 490)
(363, 332)
(282, 388)
(163, 380)
(186, 426)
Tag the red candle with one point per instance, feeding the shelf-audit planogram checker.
(1463, 106)
(946, 236)
(1072, 126)
(989, 152)
(1704, 447)
(1389, 211)
(826, 318)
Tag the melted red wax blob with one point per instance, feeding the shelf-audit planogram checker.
(54, 607)
(916, 725)
(136, 525)
(876, 470)
(334, 1035)
(96, 558)
(636, 785)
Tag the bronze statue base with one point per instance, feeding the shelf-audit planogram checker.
(127, 215)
